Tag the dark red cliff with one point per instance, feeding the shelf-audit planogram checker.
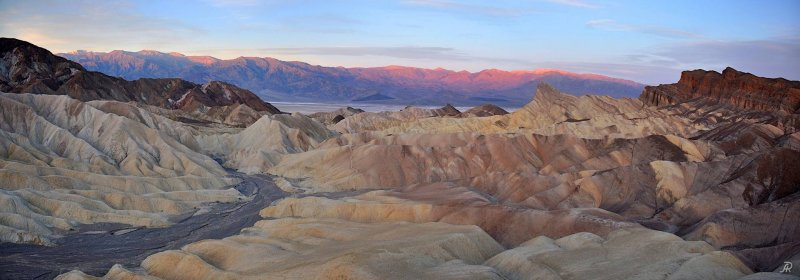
(740, 89)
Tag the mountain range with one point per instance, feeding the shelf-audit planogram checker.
(26, 68)
(277, 80)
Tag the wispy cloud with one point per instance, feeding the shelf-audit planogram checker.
(772, 58)
(65, 26)
(776, 57)
(321, 23)
(612, 25)
(643, 73)
(471, 8)
(410, 52)
(415, 53)
(576, 3)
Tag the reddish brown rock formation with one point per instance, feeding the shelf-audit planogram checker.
(740, 89)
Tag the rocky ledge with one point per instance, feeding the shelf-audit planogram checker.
(740, 89)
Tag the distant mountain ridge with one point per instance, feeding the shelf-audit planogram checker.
(277, 80)
(27, 68)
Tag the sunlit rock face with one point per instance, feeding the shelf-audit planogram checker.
(740, 89)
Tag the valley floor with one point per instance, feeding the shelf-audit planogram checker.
(95, 248)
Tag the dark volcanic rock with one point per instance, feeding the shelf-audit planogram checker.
(485, 110)
(448, 111)
(26, 68)
(743, 90)
(336, 116)
(223, 94)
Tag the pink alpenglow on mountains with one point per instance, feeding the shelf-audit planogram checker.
(277, 80)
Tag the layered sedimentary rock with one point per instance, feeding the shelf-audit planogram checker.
(446, 202)
(551, 112)
(637, 178)
(622, 254)
(329, 118)
(292, 248)
(740, 89)
(375, 121)
(65, 163)
(262, 144)
(327, 249)
(703, 170)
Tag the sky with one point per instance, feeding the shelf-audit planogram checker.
(644, 41)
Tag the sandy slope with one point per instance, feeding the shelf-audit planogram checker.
(566, 187)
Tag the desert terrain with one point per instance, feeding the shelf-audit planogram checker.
(156, 178)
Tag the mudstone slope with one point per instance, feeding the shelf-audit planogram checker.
(567, 187)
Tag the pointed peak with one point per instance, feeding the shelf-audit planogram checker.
(546, 88)
(450, 107)
(547, 93)
(729, 69)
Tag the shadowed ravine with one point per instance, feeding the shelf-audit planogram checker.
(98, 247)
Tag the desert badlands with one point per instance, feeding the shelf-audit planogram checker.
(104, 178)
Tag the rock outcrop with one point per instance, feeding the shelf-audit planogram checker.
(622, 254)
(64, 163)
(485, 110)
(376, 121)
(449, 203)
(26, 68)
(326, 249)
(263, 144)
(333, 117)
(740, 89)
(551, 112)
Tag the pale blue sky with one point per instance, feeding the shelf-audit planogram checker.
(646, 41)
